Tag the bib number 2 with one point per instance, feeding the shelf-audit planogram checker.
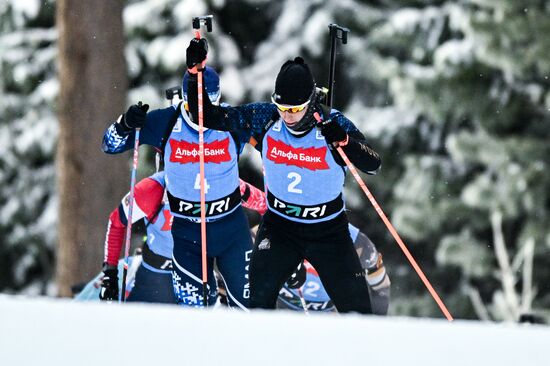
(295, 179)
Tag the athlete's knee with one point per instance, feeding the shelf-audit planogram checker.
(377, 277)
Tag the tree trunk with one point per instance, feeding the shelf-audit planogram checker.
(93, 85)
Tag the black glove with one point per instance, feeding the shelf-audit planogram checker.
(196, 52)
(332, 131)
(298, 278)
(135, 117)
(109, 283)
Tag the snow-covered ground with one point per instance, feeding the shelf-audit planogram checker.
(44, 331)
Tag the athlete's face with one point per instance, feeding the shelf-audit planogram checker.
(290, 118)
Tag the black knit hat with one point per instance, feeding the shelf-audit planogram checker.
(294, 84)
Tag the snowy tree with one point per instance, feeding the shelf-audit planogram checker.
(475, 77)
(455, 96)
(28, 132)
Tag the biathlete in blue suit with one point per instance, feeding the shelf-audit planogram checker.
(304, 177)
(172, 131)
(153, 280)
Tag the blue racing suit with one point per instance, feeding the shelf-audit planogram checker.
(228, 240)
(304, 179)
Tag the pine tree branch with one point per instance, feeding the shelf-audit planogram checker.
(479, 307)
(507, 277)
(527, 275)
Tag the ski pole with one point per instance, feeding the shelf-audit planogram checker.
(122, 295)
(335, 30)
(303, 300)
(207, 20)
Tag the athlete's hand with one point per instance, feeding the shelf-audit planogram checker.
(109, 283)
(333, 132)
(196, 53)
(135, 117)
(298, 278)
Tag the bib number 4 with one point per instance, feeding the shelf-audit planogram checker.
(198, 183)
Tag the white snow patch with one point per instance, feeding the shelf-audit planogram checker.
(133, 61)
(46, 91)
(291, 19)
(231, 86)
(28, 8)
(173, 57)
(227, 48)
(185, 10)
(459, 19)
(8, 210)
(407, 20)
(315, 31)
(147, 94)
(22, 266)
(453, 53)
(144, 14)
(380, 121)
(46, 224)
(62, 332)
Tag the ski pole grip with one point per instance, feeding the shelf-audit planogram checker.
(206, 20)
(338, 32)
(171, 92)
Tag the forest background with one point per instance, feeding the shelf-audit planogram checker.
(455, 95)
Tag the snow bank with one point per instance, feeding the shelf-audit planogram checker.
(42, 331)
